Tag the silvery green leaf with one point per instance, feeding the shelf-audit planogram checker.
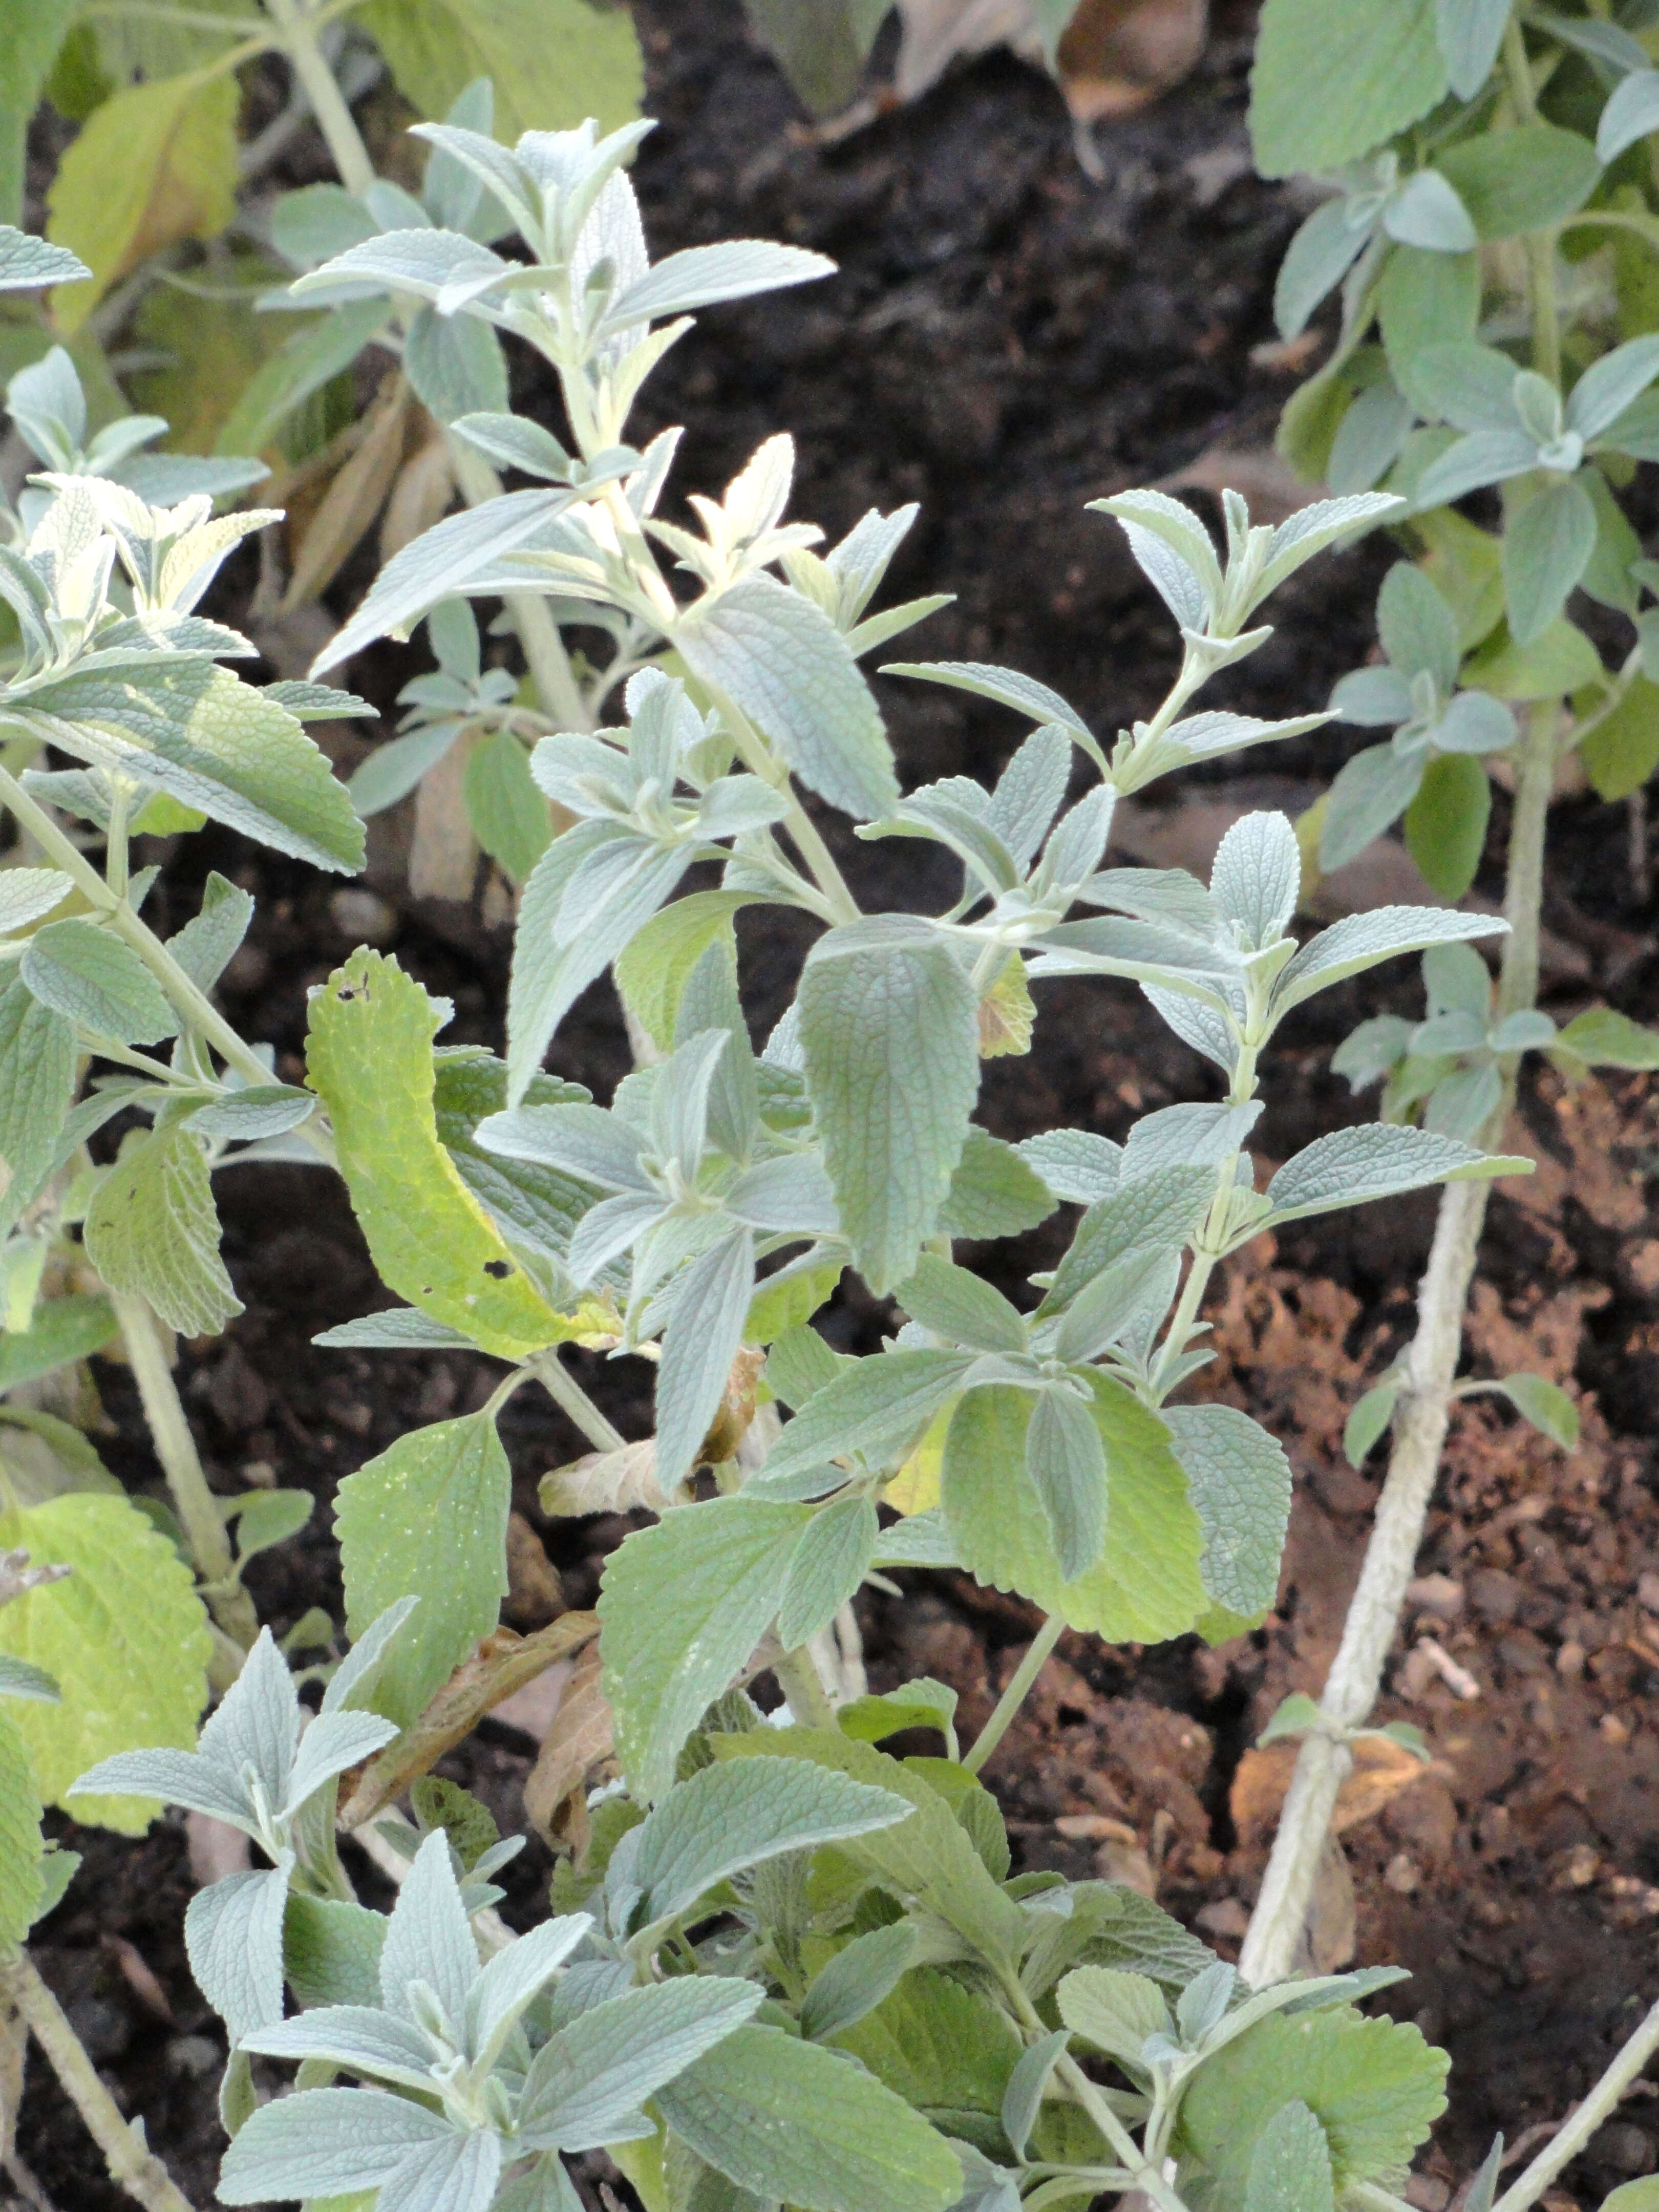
(513, 1980)
(1610, 385)
(28, 262)
(877, 1407)
(169, 479)
(1291, 2166)
(423, 262)
(1194, 1135)
(26, 894)
(1371, 1414)
(1483, 2188)
(443, 559)
(262, 1110)
(1450, 1032)
(1484, 457)
(208, 941)
(1028, 2084)
(1157, 1211)
(234, 1937)
(1239, 1481)
(1145, 953)
(1203, 2005)
(1065, 1461)
(702, 276)
(921, 1539)
(580, 1140)
(398, 1328)
(993, 1193)
(610, 1229)
(1370, 438)
(785, 666)
(1310, 530)
(362, 2039)
(1545, 1405)
(1113, 2010)
(1370, 793)
(738, 1814)
(20, 1678)
(800, 1364)
(1426, 212)
(1377, 1159)
(455, 364)
(1200, 736)
(1417, 629)
(515, 442)
(258, 1723)
(1205, 1031)
(1527, 1031)
(1257, 876)
(325, 2143)
(310, 226)
(1547, 548)
(428, 1937)
(1470, 34)
(1178, 527)
(931, 813)
(1455, 976)
(331, 1744)
(1008, 688)
(1460, 1106)
(1105, 1307)
(1632, 113)
(738, 804)
(1374, 698)
(1316, 260)
(957, 1304)
(1029, 792)
(353, 1682)
(856, 1980)
(1169, 895)
(548, 977)
(1077, 1165)
(702, 1341)
(178, 1778)
(889, 1024)
(458, 2173)
(1362, 940)
(545, 2187)
(790, 1194)
(95, 980)
(1075, 844)
(1474, 722)
(597, 2071)
(1170, 576)
(1469, 385)
(831, 1562)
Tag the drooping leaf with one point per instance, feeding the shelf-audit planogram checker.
(427, 1518)
(552, 62)
(92, 979)
(21, 1844)
(124, 1635)
(37, 1082)
(1327, 89)
(1446, 823)
(153, 1231)
(369, 1056)
(1239, 1481)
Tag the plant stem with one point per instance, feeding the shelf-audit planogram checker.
(1275, 1931)
(563, 1388)
(1145, 2175)
(798, 1679)
(131, 2165)
(1014, 1696)
(1540, 243)
(1570, 2138)
(175, 1447)
(334, 118)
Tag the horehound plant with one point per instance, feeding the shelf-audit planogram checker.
(784, 1967)
(1492, 232)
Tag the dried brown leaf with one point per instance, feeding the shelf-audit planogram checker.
(349, 508)
(624, 1481)
(443, 853)
(578, 1745)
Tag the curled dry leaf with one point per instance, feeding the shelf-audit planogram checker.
(1115, 57)
(579, 1746)
(1381, 1769)
(502, 1663)
(420, 497)
(443, 854)
(622, 1481)
(347, 510)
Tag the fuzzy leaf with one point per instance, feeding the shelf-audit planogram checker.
(889, 1026)
(587, 2084)
(427, 1518)
(124, 1635)
(37, 1082)
(1290, 2170)
(92, 979)
(153, 1231)
(553, 63)
(1326, 89)
(831, 1562)
(21, 1844)
(1376, 1159)
(1239, 1481)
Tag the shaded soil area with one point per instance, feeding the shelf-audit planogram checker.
(1006, 340)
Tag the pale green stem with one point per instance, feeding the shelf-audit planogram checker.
(1540, 243)
(1350, 1689)
(1015, 1695)
(538, 634)
(132, 2166)
(798, 1679)
(175, 1447)
(563, 1388)
(1143, 2171)
(1571, 2137)
(328, 103)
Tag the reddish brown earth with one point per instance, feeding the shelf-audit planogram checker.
(1008, 339)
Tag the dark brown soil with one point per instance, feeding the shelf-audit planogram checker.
(1007, 340)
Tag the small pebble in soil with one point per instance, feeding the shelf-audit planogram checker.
(1435, 1594)
(1401, 1874)
(363, 916)
(196, 2056)
(1623, 2147)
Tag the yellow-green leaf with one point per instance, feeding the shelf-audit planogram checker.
(1621, 753)
(34, 31)
(153, 1231)
(652, 973)
(369, 1057)
(553, 63)
(153, 165)
(19, 1836)
(124, 1636)
(1146, 1585)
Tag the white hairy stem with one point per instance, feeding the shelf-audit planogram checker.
(1275, 1932)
